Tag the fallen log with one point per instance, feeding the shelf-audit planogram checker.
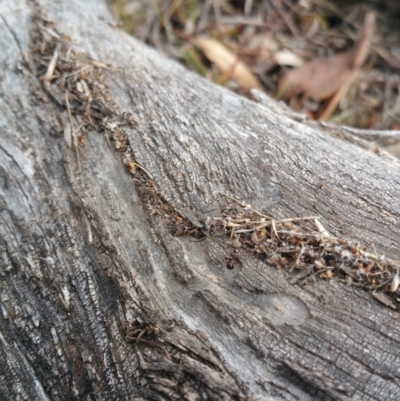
(163, 238)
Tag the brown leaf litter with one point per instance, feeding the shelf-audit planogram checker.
(267, 36)
(328, 77)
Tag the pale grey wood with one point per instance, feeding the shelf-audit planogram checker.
(82, 257)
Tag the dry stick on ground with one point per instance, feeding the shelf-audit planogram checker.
(86, 254)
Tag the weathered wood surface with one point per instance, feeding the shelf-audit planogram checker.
(82, 258)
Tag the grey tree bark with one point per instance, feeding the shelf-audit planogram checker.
(99, 301)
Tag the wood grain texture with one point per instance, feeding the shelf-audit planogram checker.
(84, 265)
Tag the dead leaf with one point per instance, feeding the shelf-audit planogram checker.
(228, 63)
(262, 42)
(263, 45)
(360, 54)
(286, 57)
(331, 76)
(317, 80)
